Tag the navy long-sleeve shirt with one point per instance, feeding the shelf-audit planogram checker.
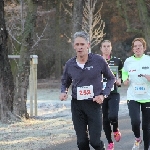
(91, 74)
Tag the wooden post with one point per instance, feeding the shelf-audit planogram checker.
(32, 81)
(31, 88)
(34, 74)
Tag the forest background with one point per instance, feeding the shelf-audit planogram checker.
(55, 23)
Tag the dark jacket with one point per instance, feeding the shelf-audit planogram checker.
(91, 74)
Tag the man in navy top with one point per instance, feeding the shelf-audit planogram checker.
(85, 73)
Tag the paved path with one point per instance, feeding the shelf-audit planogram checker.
(125, 143)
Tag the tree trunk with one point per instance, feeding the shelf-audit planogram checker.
(58, 41)
(6, 77)
(77, 15)
(77, 19)
(145, 19)
(22, 79)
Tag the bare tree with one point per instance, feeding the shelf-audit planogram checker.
(67, 8)
(143, 27)
(21, 32)
(144, 18)
(77, 15)
(22, 78)
(92, 22)
(85, 17)
(58, 42)
(6, 78)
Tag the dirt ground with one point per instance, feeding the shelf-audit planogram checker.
(53, 125)
(48, 83)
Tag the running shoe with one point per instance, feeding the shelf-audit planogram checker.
(117, 136)
(137, 143)
(110, 146)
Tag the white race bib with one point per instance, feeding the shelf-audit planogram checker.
(85, 92)
(140, 88)
(104, 86)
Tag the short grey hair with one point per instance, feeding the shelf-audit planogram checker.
(82, 34)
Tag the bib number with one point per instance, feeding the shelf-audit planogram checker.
(140, 88)
(85, 92)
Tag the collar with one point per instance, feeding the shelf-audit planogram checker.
(138, 58)
(89, 57)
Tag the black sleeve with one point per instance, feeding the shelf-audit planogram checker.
(110, 78)
(120, 66)
(65, 80)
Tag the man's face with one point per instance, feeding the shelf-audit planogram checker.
(106, 48)
(81, 46)
(138, 48)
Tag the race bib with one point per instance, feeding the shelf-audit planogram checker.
(104, 86)
(114, 69)
(140, 88)
(85, 92)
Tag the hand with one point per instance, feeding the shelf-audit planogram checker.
(63, 96)
(147, 77)
(126, 82)
(118, 81)
(98, 99)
